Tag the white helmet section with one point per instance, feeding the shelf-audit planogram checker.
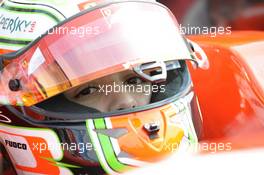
(22, 21)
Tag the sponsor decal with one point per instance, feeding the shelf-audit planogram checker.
(21, 144)
(17, 145)
(16, 24)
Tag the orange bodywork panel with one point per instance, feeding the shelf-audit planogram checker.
(231, 90)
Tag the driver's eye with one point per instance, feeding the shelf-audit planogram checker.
(134, 81)
(86, 91)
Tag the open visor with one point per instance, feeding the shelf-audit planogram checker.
(101, 41)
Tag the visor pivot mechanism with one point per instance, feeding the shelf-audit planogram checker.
(152, 71)
(152, 129)
(14, 85)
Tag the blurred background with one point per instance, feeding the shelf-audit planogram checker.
(238, 14)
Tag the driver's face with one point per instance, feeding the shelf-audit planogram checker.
(93, 95)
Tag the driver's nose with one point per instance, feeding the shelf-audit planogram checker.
(121, 101)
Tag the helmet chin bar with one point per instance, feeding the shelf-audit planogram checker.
(152, 71)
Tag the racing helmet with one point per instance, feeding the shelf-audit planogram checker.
(53, 88)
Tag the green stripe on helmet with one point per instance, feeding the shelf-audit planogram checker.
(108, 148)
(105, 152)
(40, 5)
(14, 41)
(31, 10)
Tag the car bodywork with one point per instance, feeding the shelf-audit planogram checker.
(231, 89)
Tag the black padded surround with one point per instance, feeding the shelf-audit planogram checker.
(60, 104)
(174, 84)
